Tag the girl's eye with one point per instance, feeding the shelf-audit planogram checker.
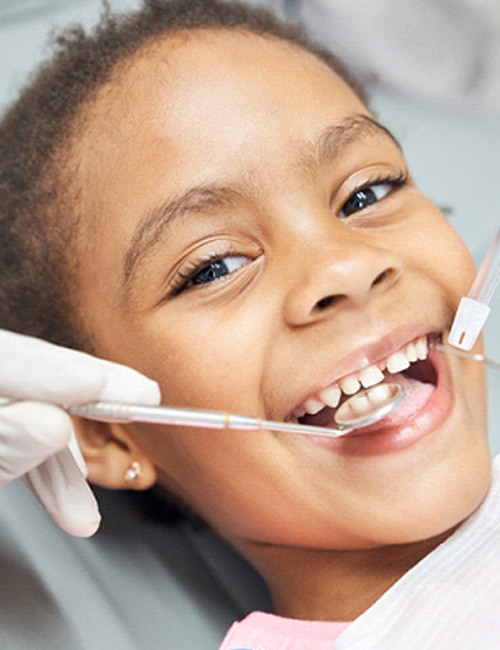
(369, 194)
(210, 271)
(218, 269)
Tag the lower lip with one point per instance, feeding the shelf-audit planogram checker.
(377, 440)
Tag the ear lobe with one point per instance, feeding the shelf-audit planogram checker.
(113, 458)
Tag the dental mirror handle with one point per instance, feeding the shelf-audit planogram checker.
(474, 309)
(384, 398)
(125, 413)
(173, 415)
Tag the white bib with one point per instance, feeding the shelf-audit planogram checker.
(448, 601)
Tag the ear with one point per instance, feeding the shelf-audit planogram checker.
(113, 458)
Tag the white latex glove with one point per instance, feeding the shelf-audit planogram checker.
(35, 433)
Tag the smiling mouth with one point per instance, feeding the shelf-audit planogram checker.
(409, 366)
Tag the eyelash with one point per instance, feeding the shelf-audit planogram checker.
(183, 278)
(396, 180)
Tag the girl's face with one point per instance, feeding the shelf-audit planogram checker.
(254, 239)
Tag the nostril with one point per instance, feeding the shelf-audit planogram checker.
(382, 277)
(326, 302)
(385, 277)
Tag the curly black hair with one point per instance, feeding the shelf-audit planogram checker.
(37, 216)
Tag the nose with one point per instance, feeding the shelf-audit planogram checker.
(346, 273)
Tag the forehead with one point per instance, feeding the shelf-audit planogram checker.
(211, 82)
(205, 55)
(200, 104)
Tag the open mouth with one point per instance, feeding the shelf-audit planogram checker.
(409, 366)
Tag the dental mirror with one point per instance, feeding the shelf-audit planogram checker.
(369, 405)
(365, 407)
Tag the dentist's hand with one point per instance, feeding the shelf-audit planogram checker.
(35, 433)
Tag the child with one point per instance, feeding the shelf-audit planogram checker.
(200, 194)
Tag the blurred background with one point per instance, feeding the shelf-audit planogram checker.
(433, 67)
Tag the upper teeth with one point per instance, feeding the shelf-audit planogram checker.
(366, 377)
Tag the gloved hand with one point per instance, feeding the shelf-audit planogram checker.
(35, 433)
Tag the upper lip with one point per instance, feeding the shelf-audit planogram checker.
(371, 351)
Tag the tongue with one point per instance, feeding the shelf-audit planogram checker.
(416, 395)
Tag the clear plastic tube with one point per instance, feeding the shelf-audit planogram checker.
(487, 279)
(474, 308)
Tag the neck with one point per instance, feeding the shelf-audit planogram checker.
(333, 585)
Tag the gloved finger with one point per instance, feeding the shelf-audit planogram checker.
(35, 369)
(75, 450)
(30, 432)
(65, 494)
(124, 384)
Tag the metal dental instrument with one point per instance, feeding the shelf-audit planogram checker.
(375, 402)
(467, 355)
(474, 309)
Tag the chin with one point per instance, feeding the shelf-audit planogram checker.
(439, 506)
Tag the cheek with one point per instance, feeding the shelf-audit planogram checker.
(455, 266)
(436, 250)
(207, 361)
(218, 474)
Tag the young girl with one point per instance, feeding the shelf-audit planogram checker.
(200, 194)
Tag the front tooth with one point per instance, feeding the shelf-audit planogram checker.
(421, 347)
(380, 394)
(350, 385)
(313, 405)
(360, 404)
(331, 396)
(397, 362)
(370, 376)
(411, 352)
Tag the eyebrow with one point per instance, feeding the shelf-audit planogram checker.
(209, 198)
(203, 198)
(335, 139)
(332, 142)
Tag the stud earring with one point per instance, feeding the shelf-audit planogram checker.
(134, 470)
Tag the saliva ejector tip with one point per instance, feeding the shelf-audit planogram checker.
(474, 308)
(468, 323)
